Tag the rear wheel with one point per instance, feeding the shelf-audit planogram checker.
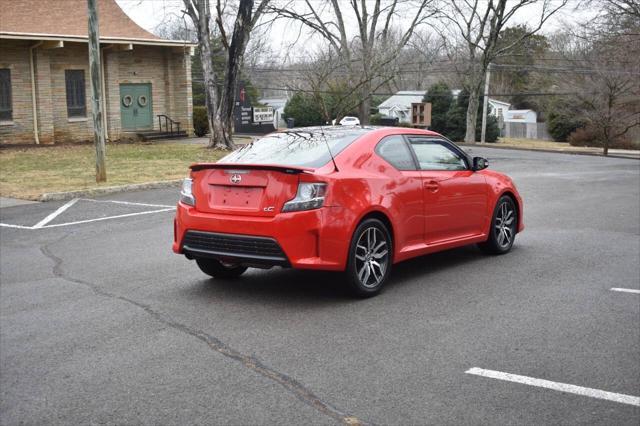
(217, 269)
(503, 227)
(370, 256)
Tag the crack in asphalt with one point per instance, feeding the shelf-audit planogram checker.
(291, 385)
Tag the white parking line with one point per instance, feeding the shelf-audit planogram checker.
(128, 203)
(562, 387)
(55, 214)
(8, 225)
(43, 223)
(625, 290)
(107, 218)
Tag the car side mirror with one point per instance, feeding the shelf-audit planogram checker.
(480, 163)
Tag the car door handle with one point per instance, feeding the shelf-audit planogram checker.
(432, 185)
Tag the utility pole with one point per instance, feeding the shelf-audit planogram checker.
(485, 105)
(96, 91)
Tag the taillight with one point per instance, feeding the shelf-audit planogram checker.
(309, 196)
(186, 196)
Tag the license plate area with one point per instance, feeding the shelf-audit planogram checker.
(227, 197)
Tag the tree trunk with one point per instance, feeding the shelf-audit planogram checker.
(472, 115)
(605, 142)
(210, 95)
(235, 56)
(224, 123)
(365, 107)
(201, 20)
(221, 134)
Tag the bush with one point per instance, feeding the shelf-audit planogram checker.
(375, 119)
(304, 109)
(584, 137)
(589, 136)
(200, 121)
(562, 120)
(492, 131)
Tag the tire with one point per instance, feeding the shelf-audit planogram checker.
(370, 258)
(217, 269)
(504, 224)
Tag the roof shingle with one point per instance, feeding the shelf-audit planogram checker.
(67, 18)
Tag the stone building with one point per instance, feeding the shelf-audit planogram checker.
(45, 93)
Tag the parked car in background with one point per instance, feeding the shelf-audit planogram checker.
(352, 199)
(350, 121)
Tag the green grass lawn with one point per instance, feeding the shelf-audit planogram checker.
(29, 172)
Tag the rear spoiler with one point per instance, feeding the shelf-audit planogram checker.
(285, 169)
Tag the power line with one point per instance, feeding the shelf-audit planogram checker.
(436, 70)
(329, 92)
(554, 69)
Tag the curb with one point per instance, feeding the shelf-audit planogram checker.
(593, 154)
(61, 196)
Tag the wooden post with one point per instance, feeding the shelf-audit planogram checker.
(96, 91)
(485, 105)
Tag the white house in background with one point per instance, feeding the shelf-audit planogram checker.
(278, 105)
(521, 116)
(399, 105)
(499, 108)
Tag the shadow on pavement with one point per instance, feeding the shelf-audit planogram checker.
(282, 286)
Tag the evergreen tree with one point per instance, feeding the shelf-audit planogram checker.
(441, 99)
(455, 128)
(304, 110)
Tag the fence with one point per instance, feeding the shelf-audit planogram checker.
(525, 131)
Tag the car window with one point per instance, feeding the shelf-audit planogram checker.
(395, 150)
(304, 147)
(435, 155)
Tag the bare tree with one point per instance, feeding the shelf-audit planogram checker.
(606, 54)
(365, 54)
(470, 29)
(625, 9)
(220, 105)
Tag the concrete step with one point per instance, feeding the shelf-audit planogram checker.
(154, 135)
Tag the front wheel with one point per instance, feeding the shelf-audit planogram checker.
(503, 227)
(370, 257)
(217, 269)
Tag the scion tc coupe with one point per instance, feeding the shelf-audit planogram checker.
(356, 199)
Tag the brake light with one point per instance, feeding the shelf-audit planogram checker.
(186, 196)
(309, 196)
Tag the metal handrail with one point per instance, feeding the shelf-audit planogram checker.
(168, 124)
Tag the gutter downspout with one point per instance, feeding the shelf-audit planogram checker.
(104, 92)
(33, 92)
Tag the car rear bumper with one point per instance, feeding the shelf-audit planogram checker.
(234, 248)
(307, 240)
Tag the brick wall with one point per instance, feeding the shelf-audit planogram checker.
(73, 56)
(14, 55)
(167, 69)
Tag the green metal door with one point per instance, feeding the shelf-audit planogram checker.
(136, 110)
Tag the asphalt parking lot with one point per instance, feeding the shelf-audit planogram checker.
(101, 323)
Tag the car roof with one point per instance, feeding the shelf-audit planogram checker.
(362, 130)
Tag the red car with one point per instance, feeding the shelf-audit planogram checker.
(352, 199)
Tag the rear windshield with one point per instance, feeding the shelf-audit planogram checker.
(301, 148)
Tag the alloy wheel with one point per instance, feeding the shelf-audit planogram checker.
(504, 227)
(372, 257)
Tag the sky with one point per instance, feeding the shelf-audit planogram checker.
(149, 13)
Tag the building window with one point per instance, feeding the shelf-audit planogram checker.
(6, 110)
(76, 98)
